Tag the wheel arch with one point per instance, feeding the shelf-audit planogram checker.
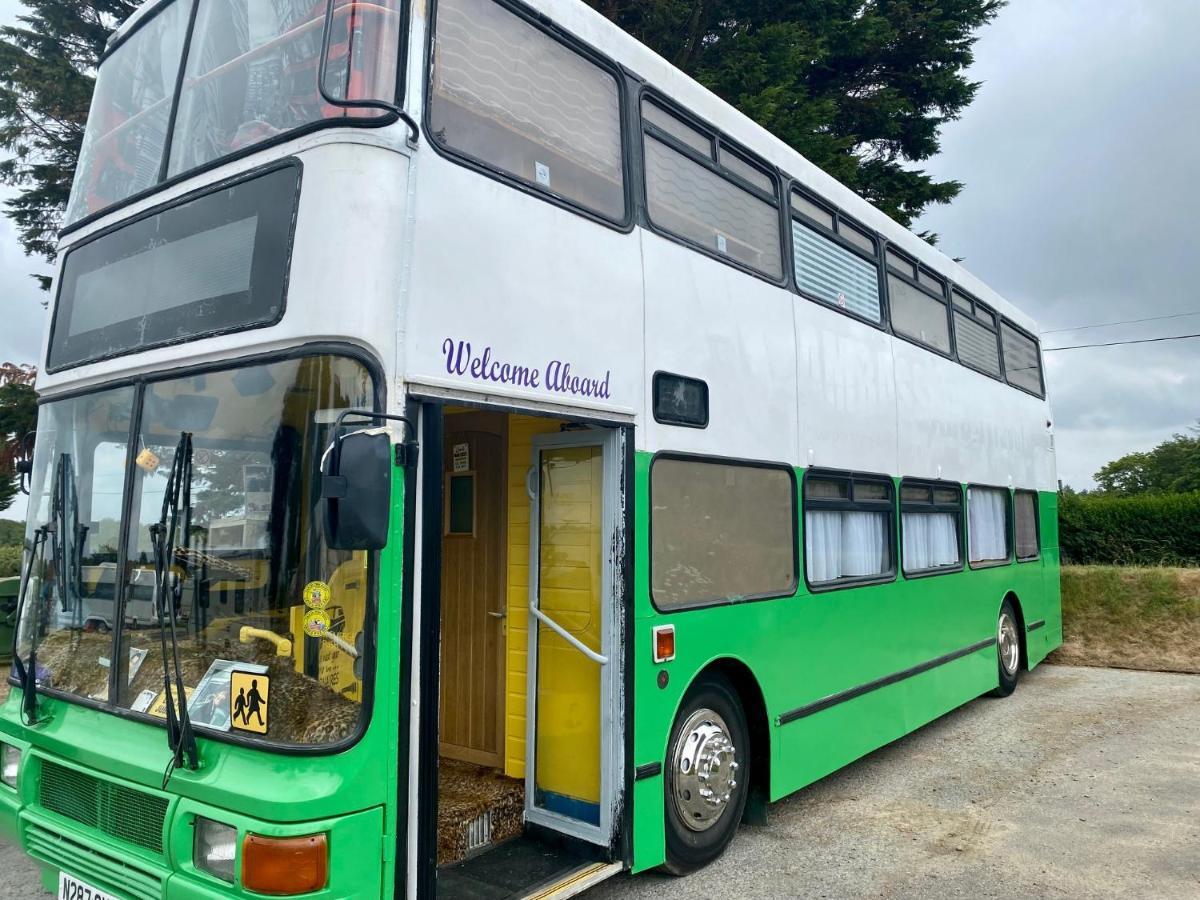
(1012, 597)
(750, 695)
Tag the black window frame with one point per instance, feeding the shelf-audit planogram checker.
(933, 506)
(849, 504)
(1009, 523)
(722, 461)
(164, 182)
(720, 142)
(944, 297)
(796, 215)
(205, 191)
(1037, 348)
(976, 307)
(678, 423)
(1037, 525)
(571, 42)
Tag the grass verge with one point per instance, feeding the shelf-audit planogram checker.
(1129, 617)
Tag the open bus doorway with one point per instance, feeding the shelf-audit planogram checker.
(528, 753)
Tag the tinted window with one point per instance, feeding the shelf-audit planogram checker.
(1027, 524)
(835, 275)
(127, 125)
(677, 128)
(509, 95)
(917, 315)
(696, 203)
(212, 264)
(1022, 363)
(720, 532)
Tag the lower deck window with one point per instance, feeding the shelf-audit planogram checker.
(720, 532)
(988, 522)
(1026, 503)
(847, 528)
(931, 522)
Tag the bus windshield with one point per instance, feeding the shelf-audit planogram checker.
(249, 75)
(250, 585)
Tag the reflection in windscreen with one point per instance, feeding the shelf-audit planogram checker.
(211, 264)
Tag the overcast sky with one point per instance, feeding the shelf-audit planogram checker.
(1078, 158)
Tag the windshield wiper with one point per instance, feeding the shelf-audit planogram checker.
(27, 673)
(177, 504)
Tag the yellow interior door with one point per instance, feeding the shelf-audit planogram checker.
(570, 559)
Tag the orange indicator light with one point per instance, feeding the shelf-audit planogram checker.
(664, 643)
(285, 866)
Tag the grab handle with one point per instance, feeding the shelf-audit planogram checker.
(567, 636)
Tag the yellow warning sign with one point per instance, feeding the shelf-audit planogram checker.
(158, 708)
(316, 595)
(316, 623)
(249, 702)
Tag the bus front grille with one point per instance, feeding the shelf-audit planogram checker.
(121, 877)
(121, 812)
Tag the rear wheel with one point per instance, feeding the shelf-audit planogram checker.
(708, 771)
(1008, 649)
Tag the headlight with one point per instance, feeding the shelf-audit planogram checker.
(10, 765)
(214, 848)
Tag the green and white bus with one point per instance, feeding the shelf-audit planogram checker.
(474, 460)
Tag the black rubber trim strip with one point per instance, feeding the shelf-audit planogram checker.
(855, 692)
(1034, 626)
(649, 770)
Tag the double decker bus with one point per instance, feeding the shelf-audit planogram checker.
(474, 460)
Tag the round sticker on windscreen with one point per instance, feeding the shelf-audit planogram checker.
(316, 623)
(316, 595)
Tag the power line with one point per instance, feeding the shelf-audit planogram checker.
(1176, 337)
(1127, 322)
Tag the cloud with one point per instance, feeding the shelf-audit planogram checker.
(1078, 158)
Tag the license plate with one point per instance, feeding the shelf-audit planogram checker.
(71, 888)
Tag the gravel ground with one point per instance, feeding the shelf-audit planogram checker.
(1084, 784)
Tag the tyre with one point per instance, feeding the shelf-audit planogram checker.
(707, 775)
(1008, 649)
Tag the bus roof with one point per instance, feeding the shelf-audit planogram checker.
(129, 24)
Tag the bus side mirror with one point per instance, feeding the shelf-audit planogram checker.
(356, 488)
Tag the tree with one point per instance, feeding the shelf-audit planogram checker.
(1173, 467)
(47, 72)
(18, 417)
(859, 87)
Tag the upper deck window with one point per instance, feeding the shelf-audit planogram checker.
(126, 133)
(975, 335)
(1022, 360)
(511, 97)
(250, 79)
(719, 201)
(213, 264)
(841, 273)
(917, 299)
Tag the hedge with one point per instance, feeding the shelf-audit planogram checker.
(1148, 530)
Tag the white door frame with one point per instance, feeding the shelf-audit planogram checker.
(610, 656)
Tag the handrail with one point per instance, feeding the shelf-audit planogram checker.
(567, 636)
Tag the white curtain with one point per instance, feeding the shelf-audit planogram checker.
(930, 541)
(845, 544)
(988, 508)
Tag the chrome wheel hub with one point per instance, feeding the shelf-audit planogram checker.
(1009, 644)
(703, 770)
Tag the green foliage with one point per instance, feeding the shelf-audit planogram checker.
(1172, 467)
(859, 87)
(18, 417)
(10, 561)
(1148, 530)
(12, 533)
(47, 71)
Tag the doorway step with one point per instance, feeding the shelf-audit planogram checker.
(478, 808)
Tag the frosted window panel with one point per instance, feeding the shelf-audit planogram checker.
(1022, 365)
(1027, 528)
(977, 346)
(917, 315)
(510, 96)
(720, 532)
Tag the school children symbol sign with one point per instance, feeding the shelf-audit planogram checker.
(249, 702)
